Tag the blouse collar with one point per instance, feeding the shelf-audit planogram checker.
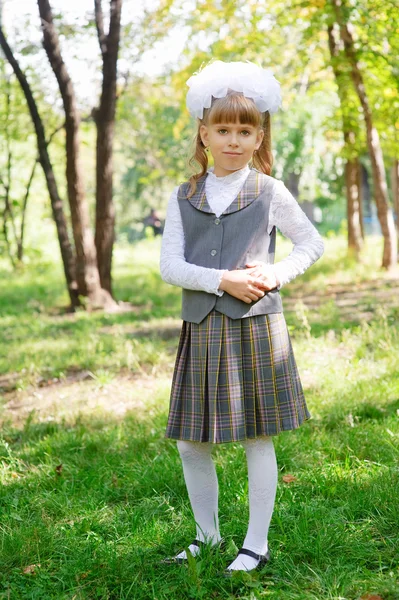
(235, 176)
(251, 188)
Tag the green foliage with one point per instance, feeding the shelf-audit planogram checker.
(291, 38)
(154, 132)
(154, 146)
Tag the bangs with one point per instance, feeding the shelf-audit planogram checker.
(233, 108)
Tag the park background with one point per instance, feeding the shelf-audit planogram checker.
(92, 494)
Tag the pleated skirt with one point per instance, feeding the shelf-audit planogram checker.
(235, 379)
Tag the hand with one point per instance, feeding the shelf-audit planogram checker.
(265, 276)
(242, 284)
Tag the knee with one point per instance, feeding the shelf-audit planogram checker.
(261, 445)
(193, 451)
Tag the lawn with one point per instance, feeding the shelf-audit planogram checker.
(93, 495)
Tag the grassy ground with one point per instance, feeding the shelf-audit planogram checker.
(93, 495)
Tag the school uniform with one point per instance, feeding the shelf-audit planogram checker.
(235, 374)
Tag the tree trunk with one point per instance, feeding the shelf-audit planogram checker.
(292, 183)
(68, 259)
(352, 179)
(352, 170)
(23, 216)
(366, 194)
(395, 193)
(86, 260)
(361, 200)
(379, 177)
(105, 122)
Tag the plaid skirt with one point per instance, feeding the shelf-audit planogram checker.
(235, 379)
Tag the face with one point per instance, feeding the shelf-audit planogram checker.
(231, 145)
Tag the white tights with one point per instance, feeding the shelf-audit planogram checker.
(202, 486)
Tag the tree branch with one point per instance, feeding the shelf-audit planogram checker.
(102, 38)
(114, 22)
(53, 134)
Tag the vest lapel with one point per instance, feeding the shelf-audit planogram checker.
(251, 189)
(248, 193)
(198, 200)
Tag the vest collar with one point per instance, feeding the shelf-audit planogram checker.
(251, 189)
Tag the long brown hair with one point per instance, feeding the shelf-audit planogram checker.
(232, 108)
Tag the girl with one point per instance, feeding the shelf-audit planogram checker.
(235, 376)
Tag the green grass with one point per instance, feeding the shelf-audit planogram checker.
(99, 524)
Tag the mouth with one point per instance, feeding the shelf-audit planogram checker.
(233, 153)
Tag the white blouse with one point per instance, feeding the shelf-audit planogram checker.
(285, 213)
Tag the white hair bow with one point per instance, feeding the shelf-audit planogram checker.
(246, 77)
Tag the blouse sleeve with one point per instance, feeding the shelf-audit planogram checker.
(173, 266)
(289, 218)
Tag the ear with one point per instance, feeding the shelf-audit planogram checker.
(259, 139)
(204, 135)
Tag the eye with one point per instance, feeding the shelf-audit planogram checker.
(243, 131)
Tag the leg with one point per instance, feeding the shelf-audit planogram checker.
(202, 487)
(262, 485)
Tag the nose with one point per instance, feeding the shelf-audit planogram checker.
(233, 140)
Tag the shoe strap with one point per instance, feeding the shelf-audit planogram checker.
(250, 553)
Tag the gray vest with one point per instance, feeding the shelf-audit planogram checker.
(237, 237)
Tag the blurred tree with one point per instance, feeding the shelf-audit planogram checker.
(104, 117)
(342, 14)
(150, 27)
(395, 192)
(350, 129)
(68, 259)
(87, 271)
(14, 197)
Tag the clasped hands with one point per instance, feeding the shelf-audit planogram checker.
(251, 283)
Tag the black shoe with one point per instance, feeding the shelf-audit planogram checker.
(262, 558)
(173, 559)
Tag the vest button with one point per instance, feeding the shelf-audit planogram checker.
(217, 221)
(213, 252)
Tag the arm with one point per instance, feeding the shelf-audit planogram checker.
(173, 266)
(289, 218)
